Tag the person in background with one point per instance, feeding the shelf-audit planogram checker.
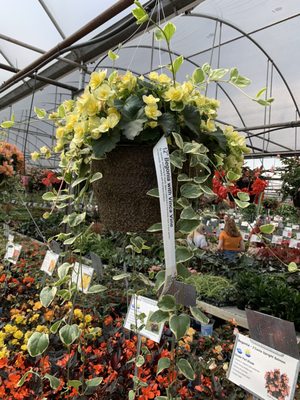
(198, 238)
(230, 240)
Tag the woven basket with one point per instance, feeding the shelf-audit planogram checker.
(128, 174)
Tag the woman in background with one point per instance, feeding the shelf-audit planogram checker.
(230, 241)
(197, 237)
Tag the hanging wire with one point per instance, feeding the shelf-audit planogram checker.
(212, 52)
(219, 56)
(29, 118)
(265, 110)
(270, 106)
(143, 34)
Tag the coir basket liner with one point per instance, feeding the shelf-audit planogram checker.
(128, 174)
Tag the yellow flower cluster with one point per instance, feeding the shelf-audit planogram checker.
(237, 148)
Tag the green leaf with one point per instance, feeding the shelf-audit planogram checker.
(78, 181)
(61, 111)
(139, 361)
(140, 13)
(167, 303)
(292, 267)
(206, 68)
(265, 103)
(63, 270)
(153, 193)
(96, 289)
(49, 196)
(113, 56)
(243, 196)
(183, 202)
(121, 276)
(193, 147)
(198, 76)
(207, 190)
(37, 343)
(179, 324)
(64, 293)
(168, 123)
(169, 30)
(160, 279)
(69, 333)
(23, 379)
(54, 382)
(96, 176)
(183, 178)
(241, 204)
(232, 176)
(159, 35)
(75, 219)
(234, 73)
(240, 81)
(199, 315)
(189, 213)
(183, 254)
(162, 364)
(71, 240)
(186, 226)
(47, 295)
(105, 143)
(161, 398)
(201, 179)
(131, 129)
(217, 74)
(132, 107)
(261, 92)
(131, 395)
(191, 191)
(177, 63)
(159, 316)
(186, 369)
(155, 227)
(267, 228)
(177, 158)
(94, 382)
(74, 383)
(182, 271)
(40, 112)
(54, 327)
(145, 279)
(178, 140)
(192, 118)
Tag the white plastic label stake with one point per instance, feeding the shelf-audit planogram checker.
(165, 190)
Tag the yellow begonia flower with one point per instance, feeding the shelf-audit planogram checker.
(70, 122)
(37, 306)
(113, 110)
(60, 132)
(153, 76)
(24, 347)
(129, 81)
(45, 151)
(174, 94)
(68, 105)
(87, 104)
(59, 146)
(18, 334)
(93, 123)
(103, 92)
(97, 78)
(4, 353)
(35, 156)
(152, 112)
(88, 318)
(78, 313)
(152, 124)
(164, 79)
(150, 100)
(41, 328)
(20, 319)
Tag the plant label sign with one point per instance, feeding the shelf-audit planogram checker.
(263, 371)
(245, 235)
(255, 239)
(10, 238)
(49, 262)
(277, 239)
(294, 244)
(82, 276)
(165, 190)
(287, 232)
(140, 310)
(97, 265)
(13, 252)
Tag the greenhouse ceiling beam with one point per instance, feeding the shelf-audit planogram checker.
(266, 154)
(245, 34)
(40, 78)
(291, 124)
(52, 19)
(92, 49)
(105, 16)
(33, 48)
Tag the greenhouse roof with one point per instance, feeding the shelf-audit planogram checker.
(259, 37)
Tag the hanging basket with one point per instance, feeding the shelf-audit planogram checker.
(128, 174)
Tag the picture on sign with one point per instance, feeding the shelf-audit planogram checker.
(263, 371)
(245, 235)
(295, 244)
(13, 252)
(49, 262)
(255, 239)
(82, 276)
(287, 233)
(140, 305)
(277, 239)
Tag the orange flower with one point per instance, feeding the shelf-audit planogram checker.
(108, 320)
